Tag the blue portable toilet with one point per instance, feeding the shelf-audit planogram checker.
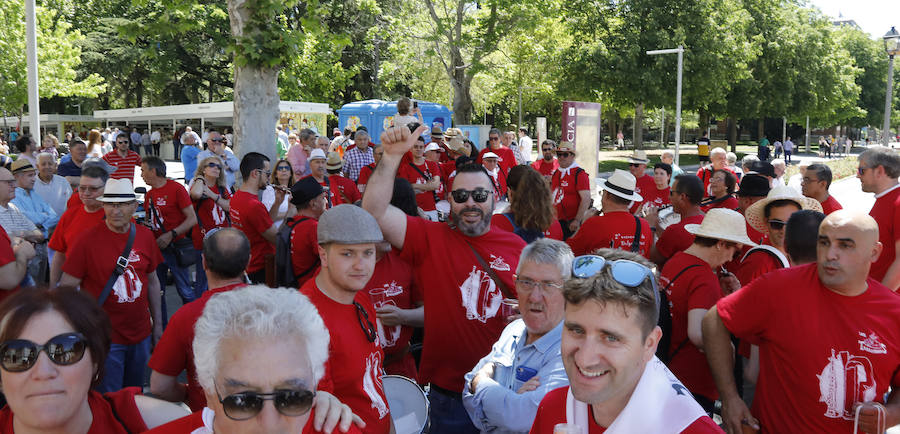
(376, 115)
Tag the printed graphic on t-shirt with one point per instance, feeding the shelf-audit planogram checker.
(128, 286)
(480, 296)
(218, 215)
(382, 297)
(870, 343)
(373, 388)
(498, 263)
(844, 381)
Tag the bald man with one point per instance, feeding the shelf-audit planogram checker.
(829, 338)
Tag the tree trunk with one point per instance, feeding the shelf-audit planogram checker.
(255, 97)
(761, 129)
(638, 133)
(462, 96)
(732, 134)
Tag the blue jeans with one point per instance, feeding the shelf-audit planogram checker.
(182, 282)
(125, 366)
(200, 280)
(448, 415)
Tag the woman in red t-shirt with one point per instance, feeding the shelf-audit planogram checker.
(52, 350)
(721, 185)
(530, 215)
(211, 199)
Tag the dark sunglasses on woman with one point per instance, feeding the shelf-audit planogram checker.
(19, 355)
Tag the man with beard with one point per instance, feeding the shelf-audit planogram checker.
(467, 290)
(548, 164)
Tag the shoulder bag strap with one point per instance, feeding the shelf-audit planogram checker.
(686, 339)
(490, 271)
(636, 244)
(428, 176)
(121, 263)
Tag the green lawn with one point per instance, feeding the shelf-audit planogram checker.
(610, 160)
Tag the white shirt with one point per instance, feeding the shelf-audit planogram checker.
(56, 192)
(525, 146)
(154, 137)
(268, 198)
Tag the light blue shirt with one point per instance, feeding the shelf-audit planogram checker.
(189, 161)
(35, 209)
(495, 406)
(232, 164)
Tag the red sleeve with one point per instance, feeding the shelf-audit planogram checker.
(589, 234)
(182, 196)
(76, 258)
(756, 265)
(107, 159)
(668, 243)
(556, 232)
(352, 192)
(6, 252)
(169, 356)
(364, 174)
(500, 221)
(152, 249)
(583, 182)
(704, 292)
(259, 218)
(416, 242)
(746, 313)
(58, 241)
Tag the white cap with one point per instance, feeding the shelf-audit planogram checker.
(317, 153)
(432, 147)
(490, 155)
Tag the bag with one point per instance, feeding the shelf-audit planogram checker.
(528, 235)
(665, 322)
(121, 263)
(284, 266)
(185, 254)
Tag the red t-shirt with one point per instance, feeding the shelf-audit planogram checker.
(653, 196)
(250, 216)
(498, 181)
(705, 174)
(109, 412)
(646, 187)
(831, 205)
(124, 165)
(819, 351)
(305, 248)
(500, 221)
(364, 174)
(675, 239)
(565, 191)
(611, 230)
(72, 225)
(886, 211)
(209, 215)
(354, 367)
(6, 256)
(758, 263)
(467, 321)
(174, 352)
(552, 411)
(546, 168)
(425, 199)
(392, 284)
(343, 190)
(193, 421)
(728, 203)
(506, 160)
(696, 288)
(165, 205)
(92, 259)
(755, 235)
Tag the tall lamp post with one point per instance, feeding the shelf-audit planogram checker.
(680, 51)
(892, 47)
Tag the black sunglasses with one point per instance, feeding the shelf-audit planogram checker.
(633, 164)
(18, 355)
(221, 139)
(367, 327)
(245, 405)
(280, 168)
(776, 225)
(547, 150)
(216, 165)
(564, 154)
(494, 138)
(479, 195)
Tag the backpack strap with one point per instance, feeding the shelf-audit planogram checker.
(428, 176)
(686, 339)
(636, 243)
(121, 264)
(770, 250)
(291, 224)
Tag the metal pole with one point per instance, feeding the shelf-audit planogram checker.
(678, 104)
(807, 134)
(662, 129)
(520, 106)
(34, 106)
(783, 129)
(887, 101)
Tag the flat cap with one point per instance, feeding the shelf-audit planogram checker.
(348, 224)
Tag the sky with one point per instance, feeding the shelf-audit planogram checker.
(874, 16)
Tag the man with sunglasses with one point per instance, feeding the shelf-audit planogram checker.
(827, 335)
(507, 157)
(347, 237)
(685, 195)
(644, 184)
(123, 158)
(250, 216)
(548, 164)
(609, 338)
(878, 170)
(571, 189)
(133, 304)
(504, 389)
(215, 146)
(466, 287)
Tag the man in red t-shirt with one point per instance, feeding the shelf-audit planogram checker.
(506, 156)
(571, 189)
(123, 159)
(171, 217)
(718, 161)
(250, 216)
(347, 237)
(608, 343)
(644, 183)
(398, 309)
(815, 183)
(366, 171)
(344, 189)
(310, 199)
(498, 178)
(225, 256)
(686, 194)
(80, 216)
(616, 228)
(468, 320)
(133, 301)
(828, 338)
(878, 171)
(425, 177)
(547, 165)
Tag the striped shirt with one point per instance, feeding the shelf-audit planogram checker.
(355, 159)
(124, 165)
(14, 222)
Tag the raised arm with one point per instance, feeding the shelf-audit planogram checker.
(380, 188)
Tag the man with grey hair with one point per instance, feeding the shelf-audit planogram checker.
(668, 157)
(236, 327)
(359, 156)
(878, 170)
(815, 183)
(297, 154)
(507, 156)
(717, 162)
(780, 168)
(504, 389)
(323, 143)
(215, 147)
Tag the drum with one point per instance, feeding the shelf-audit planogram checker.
(668, 217)
(443, 210)
(408, 404)
(501, 207)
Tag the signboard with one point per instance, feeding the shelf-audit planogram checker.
(581, 125)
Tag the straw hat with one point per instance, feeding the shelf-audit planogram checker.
(317, 154)
(118, 190)
(621, 184)
(722, 224)
(756, 212)
(454, 139)
(566, 147)
(333, 162)
(638, 157)
(21, 165)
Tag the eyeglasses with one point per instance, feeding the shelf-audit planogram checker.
(547, 150)
(220, 139)
(623, 271)
(268, 173)
(89, 188)
(20, 355)
(216, 165)
(861, 170)
(283, 168)
(776, 225)
(245, 405)
(121, 143)
(634, 165)
(564, 154)
(479, 195)
(528, 285)
(493, 138)
(366, 325)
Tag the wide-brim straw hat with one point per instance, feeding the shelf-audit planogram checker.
(638, 157)
(722, 224)
(118, 190)
(622, 184)
(455, 140)
(566, 147)
(333, 162)
(756, 213)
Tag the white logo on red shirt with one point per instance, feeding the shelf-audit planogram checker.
(844, 381)
(871, 344)
(388, 336)
(558, 196)
(372, 387)
(499, 264)
(128, 286)
(480, 296)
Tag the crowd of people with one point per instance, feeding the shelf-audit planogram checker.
(676, 301)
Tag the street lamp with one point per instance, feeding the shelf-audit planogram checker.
(892, 48)
(680, 51)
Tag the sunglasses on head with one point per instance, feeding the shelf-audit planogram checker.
(245, 405)
(18, 355)
(564, 154)
(776, 225)
(479, 195)
(627, 273)
(363, 317)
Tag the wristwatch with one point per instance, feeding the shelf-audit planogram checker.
(174, 234)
